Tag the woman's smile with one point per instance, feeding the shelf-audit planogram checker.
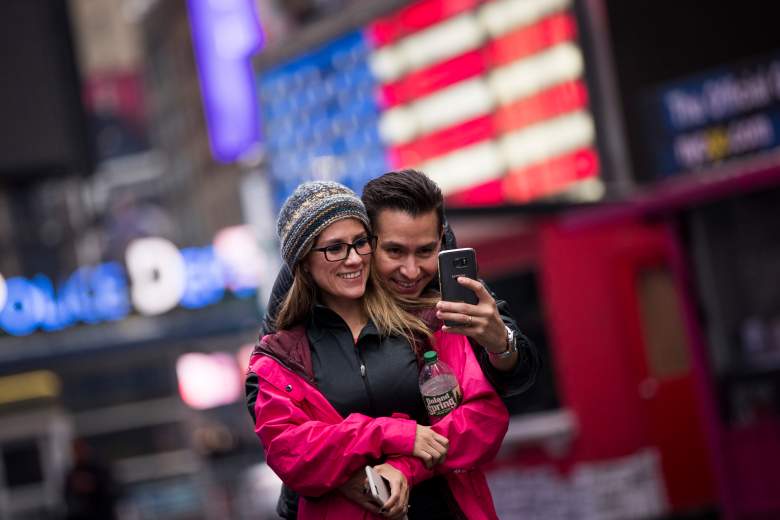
(351, 275)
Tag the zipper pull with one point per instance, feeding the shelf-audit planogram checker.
(363, 370)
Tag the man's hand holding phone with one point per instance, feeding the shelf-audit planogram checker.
(479, 318)
(482, 322)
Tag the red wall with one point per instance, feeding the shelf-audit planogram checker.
(587, 282)
(585, 317)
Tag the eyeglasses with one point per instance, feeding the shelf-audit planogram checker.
(340, 251)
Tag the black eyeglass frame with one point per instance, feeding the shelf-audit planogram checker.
(372, 240)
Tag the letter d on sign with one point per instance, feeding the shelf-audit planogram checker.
(157, 275)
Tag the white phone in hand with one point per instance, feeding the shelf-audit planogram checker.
(377, 487)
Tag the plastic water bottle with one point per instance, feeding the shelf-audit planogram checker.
(439, 387)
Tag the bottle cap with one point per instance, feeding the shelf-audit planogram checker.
(431, 357)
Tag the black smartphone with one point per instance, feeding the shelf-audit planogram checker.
(453, 264)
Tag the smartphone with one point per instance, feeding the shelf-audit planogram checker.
(453, 264)
(377, 487)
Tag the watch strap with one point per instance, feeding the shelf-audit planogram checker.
(511, 346)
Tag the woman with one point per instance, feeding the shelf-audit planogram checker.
(336, 387)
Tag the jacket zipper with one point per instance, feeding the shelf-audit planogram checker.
(363, 376)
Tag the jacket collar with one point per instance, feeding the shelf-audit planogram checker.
(290, 348)
(323, 318)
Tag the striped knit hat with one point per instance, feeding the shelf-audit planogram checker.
(311, 208)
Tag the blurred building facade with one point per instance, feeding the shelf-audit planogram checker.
(109, 377)
(620, 194)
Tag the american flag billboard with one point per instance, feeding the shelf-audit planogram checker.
(486, 97)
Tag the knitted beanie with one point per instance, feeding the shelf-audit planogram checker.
(311, 208)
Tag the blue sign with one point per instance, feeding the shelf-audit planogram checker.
(709, 118)
(204, 283)
(225, 35)
(89, 295)
(109, 292)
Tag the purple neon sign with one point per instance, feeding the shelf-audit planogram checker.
(225, 34)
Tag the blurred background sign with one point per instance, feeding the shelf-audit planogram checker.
(698, 122)
(663, 49)
(155, 278)
(225, 35)
(196, 373)
(488, 98)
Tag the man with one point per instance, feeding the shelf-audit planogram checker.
(406, 209)
(89, 490)
(407, 212)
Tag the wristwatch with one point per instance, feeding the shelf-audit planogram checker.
(511, 346)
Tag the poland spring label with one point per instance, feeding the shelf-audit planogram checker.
(442, 404)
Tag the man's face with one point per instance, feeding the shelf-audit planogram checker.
(406, 255)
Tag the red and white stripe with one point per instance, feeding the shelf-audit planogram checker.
(486, 97)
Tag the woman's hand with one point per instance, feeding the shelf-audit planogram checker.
(397, 505)
(356, 490)
(429, 446)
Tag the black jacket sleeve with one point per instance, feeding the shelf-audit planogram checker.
(523, 376)
(287, 504)
(516, 381)
(280, 289)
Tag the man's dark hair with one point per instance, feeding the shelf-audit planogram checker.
(410, 191)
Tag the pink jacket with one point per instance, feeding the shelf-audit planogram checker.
(315, 450)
